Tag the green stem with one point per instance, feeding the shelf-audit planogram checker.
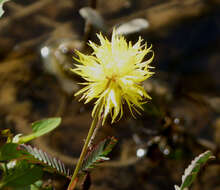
(6, 168)
(26, 138)
(84, 150)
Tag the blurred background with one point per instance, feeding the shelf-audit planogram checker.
(37, 43)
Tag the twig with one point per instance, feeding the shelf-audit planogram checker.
(26, 11)
(42, 19)
(167, 13)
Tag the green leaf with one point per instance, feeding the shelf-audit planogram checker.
(98, 153)
(22, 175)
(40, 128)
(21, 188)
(41, 157)
(9, 151)
(37, 185)
(193, 169)
(1, 7)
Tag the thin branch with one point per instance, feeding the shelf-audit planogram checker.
(26, 11)
(168, 13)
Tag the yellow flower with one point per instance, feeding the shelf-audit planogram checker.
(113, 75)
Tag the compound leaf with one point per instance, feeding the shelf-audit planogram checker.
(43, 158)
(192, 170)
(98, 153)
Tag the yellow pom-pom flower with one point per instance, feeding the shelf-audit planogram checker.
(113, 74)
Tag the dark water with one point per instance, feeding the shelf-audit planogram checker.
(191, 50)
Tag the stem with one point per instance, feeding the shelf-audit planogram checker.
(26, 138)
(96, 130)
(93, 126)
(5, 167)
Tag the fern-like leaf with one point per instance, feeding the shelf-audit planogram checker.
(46, 159)
(192, 170)
(98, 153)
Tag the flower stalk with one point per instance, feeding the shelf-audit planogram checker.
(91, 135)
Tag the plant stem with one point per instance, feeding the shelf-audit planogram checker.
(84, 150)
(6, 168)
(98, 125)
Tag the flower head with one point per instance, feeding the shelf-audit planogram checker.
(113, 75)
